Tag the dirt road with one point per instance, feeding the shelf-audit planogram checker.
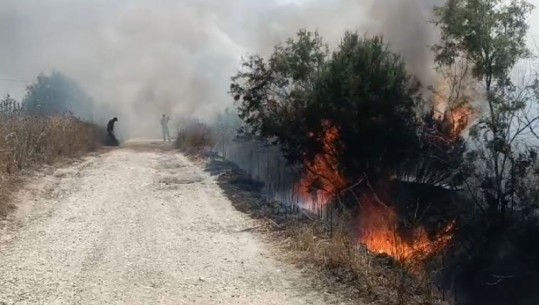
(137, 227)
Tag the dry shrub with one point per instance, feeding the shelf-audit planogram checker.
(375, 279)
(195, 137)
(27, 141)
(327, 247)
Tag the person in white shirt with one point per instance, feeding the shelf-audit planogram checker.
(164, 127)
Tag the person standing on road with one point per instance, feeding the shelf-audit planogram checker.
(164, 127)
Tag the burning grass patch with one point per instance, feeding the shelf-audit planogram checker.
(354, 269)
(27, 141)
(330, 252)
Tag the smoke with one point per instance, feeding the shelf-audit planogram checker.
(141, 58)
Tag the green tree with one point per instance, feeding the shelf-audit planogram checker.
(362, 92)
(57, 94)
(9, 105)
(365, 91)
(272, 95)
(501, 164)
(491, 36)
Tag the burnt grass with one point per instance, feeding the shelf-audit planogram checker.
(276, 219)
(330, 261)
(246, 193)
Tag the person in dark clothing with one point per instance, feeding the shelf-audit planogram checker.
(110, 131)
(110, 126)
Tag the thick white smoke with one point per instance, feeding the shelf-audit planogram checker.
(142, 58)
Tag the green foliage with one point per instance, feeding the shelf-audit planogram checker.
(362, 90)
(9, 105)
(502, 166)
(365, 91)
(489, 33)
(57, 94)
(194, 137)
(272, 95)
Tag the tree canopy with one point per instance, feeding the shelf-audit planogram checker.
(491, 36)
(362, 91)
(365, 91)
(489, 33)
(273, 95)
(57, 94)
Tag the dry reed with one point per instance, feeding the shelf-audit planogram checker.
(26, 142)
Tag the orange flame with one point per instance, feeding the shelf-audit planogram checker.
(455, 114)
(322, 180)
(379, 232)
(458, 120)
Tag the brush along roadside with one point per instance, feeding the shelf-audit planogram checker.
(329, 252)
(195, 138)
(27, 142)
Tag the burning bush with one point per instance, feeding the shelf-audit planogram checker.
(352, 118)
(344, 130)
(375, 119)
(302, 100)
(322, 180)
(382, 233)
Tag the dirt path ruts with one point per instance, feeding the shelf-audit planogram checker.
(137, 227)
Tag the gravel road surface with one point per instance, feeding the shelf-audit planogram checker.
(137, 226)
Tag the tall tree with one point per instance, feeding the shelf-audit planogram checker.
(501, 164)
(491, 36)
(9, 105)
(272, 95)
(366, 93)
(361, 99)
(57, 94)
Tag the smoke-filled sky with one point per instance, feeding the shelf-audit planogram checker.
(142, 58)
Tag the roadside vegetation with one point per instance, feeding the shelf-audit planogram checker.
(421, 193)
(43, 130)
(195, 137)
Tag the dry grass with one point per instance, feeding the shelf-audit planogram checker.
(27, 141)
(373, 279)
(195, 137)
(329, 251)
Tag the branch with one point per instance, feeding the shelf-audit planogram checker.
(499, 279)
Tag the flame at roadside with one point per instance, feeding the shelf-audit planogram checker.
(380, 233)
(378, 224)
(322, 180)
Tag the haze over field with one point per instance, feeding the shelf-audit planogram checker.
(141, 59)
